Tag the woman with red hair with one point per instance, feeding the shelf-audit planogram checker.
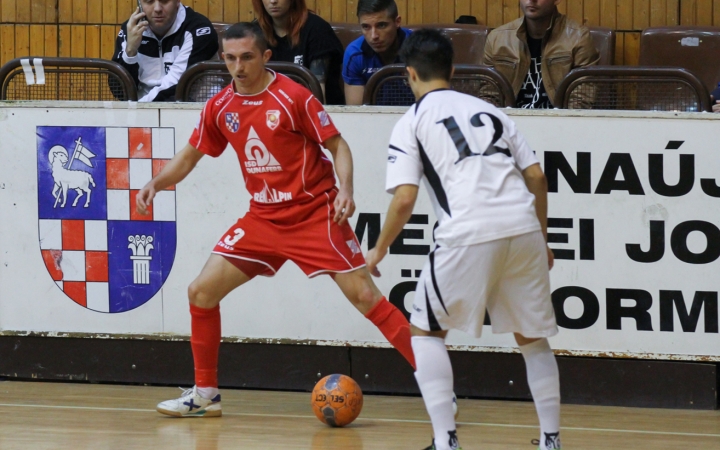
(298, 35)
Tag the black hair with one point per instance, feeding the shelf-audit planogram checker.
(247, 29)
(376, 6)
(429, 53)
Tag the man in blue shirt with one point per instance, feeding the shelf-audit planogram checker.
(379, 45)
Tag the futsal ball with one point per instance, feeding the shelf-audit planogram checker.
(337, 400)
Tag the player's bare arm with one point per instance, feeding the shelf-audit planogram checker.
(174, 172)
(399, 212)
(537, 185)
(344, 202)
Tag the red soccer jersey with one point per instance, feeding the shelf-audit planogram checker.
(276, 135)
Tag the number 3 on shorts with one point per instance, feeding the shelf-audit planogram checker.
(231, 241)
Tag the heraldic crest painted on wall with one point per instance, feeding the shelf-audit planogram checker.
(99, 251)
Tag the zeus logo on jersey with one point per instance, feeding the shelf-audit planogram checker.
(259, 159)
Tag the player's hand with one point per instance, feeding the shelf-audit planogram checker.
(135, 29)
(372, 259)
(144, 199)
(551, 258)
(344, 207)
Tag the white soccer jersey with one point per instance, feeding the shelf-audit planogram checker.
(471, 156)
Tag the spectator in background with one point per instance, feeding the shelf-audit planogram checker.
(379, 45)
(536, 51)
(715, 99)
(302, 37)
(159, 42)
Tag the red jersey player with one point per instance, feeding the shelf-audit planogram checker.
(296, 213)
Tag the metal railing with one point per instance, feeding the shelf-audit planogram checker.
(633, 88)
(82, 79)
(388, 86)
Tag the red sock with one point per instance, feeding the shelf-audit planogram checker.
(394, 326)
(205, 342)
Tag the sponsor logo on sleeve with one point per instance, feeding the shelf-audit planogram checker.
(228, 93)
(287, 97)
(202, 31)
(324, 118)
(354, 247)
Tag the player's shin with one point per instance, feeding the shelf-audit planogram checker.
(544, 381)
(205, 342)
(394, 326)
(435, 379)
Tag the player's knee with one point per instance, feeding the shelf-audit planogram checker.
(366, 298)
(199, 296)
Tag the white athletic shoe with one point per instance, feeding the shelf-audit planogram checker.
(191, 404)
(456, 412)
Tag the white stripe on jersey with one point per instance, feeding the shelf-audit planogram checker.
(307, 102)
(202, 124)
(292, 122)
(471, 157)
(227, 102)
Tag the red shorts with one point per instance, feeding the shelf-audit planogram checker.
(305, 234)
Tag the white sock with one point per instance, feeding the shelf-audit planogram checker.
(208, 393)
(544, 381)
(435, 378)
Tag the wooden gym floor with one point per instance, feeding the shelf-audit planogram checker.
(36, 415)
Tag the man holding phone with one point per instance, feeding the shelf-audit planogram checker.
(160, 40)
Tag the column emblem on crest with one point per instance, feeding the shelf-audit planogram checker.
(141, 246)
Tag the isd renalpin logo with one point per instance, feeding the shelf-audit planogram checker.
(99, 251)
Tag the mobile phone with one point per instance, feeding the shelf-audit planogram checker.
(139, 3)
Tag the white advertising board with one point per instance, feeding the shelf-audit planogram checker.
(633, 207)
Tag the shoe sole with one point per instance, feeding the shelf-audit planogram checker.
(211, 413)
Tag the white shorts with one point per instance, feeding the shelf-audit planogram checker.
(509, 277)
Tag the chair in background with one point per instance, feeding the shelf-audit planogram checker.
(220, 30)
(81, 79)
(388, 86)
(604, 39)
(468, 40)
(696, 49)
(634, 88)
(203, 80)
(346, 32)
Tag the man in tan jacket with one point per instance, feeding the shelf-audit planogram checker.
(536, 51)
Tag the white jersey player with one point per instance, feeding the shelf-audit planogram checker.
(490, 198)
